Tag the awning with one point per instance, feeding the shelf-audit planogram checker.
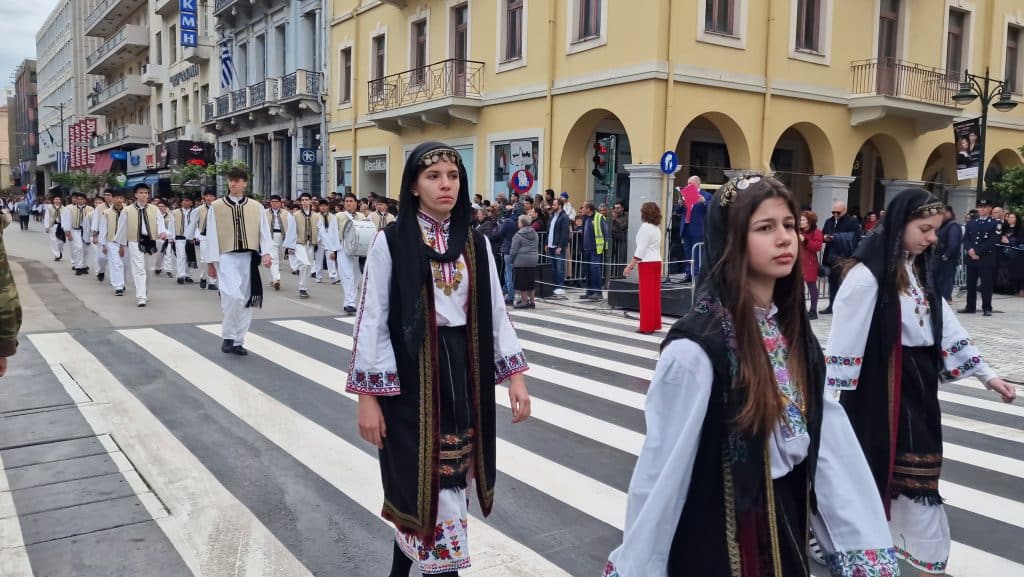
(103, 162)
(153, 180)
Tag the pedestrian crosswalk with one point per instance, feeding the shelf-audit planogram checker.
(260, 466)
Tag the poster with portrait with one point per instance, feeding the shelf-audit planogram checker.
(967, 137)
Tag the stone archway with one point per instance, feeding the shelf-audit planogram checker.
(880, 158)
(802, 151)
(710, 144)
(578, 149)
(939, 173)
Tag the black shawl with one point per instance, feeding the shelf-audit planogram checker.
(732, 507)
(876, 400)
(410, 458)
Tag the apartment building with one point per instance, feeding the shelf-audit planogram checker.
(269, 111)
(23, 117)
(5, 150)
(180, 76)
(119, 97)
(847, 100)
(61, 51)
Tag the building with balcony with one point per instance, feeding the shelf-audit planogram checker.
(119, 96)
(181, 78)
(274, 106)
(843, 100)
(62, 49)
(5, 149)
(23, 131)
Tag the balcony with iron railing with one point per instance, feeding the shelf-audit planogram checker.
(300, 84)
(889, 87)
(256, 97)
(432, 94)
(128, 43)
(109, 15)
(122, 92)
(127, 136)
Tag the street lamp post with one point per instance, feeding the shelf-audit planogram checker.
(60, 108)
(988, 89)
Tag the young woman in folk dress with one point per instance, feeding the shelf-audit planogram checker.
(432, 338)
(743, 445)
(902, 340)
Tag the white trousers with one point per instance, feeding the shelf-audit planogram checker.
(165, 260)
(332, 268)
(293, 262)
(116, 265)
(181, 259)
(275, 256)
(349, 268)
(101, 259)
(233, 282)
(56, 246)
(304, 255)
(137, 262)
(77, 250)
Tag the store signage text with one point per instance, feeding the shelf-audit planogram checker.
(189, 23)
(186, 74)
(376, 164)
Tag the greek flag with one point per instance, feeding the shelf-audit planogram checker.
(227, 64)
(62, 161)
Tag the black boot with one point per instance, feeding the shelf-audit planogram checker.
(400, 563)
(228, 346)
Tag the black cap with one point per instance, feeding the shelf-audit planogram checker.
(305, 195)
(78, 194)
(116, 192)
(210, 192)
(275, 197)
(984, 202)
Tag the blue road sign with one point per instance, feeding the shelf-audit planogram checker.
(307, 156)
(669, 162)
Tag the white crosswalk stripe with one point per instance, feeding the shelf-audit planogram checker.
(579, 487)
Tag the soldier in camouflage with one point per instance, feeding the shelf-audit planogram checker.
(10, 307)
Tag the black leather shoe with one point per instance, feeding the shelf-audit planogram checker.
(100, 276)
(986, 313)
(239, 350)
(181, 281)
(966, 311)
(188, 280)
(228, 346)
(211, 286)
(827, 311)
(350, 310)
(119, 293)
(202, 283)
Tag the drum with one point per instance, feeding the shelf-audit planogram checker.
(357, 237)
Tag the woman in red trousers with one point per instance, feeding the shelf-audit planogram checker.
(810, 243)
(648, 256)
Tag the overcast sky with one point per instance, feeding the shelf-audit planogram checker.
(19, 21)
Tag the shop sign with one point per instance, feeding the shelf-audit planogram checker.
(375, 164)
(186, 74)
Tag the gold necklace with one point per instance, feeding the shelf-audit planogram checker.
(447, 275)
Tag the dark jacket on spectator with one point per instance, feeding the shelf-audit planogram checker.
(506, 230)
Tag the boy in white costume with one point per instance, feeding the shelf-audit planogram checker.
(74, 220)
(108, 245)
(183, 216)
(348, 265)
(139, 228)
(301, 239)
(52, 222)
(99, 207)
(278, 219)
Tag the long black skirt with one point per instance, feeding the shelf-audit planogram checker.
(457, 434)
(919, 432)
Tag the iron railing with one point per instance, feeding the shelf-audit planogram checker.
(223, 104)
(113, 42)
(445, 79)
(300, 83)
(262, 93)
(208, 111)
(221, 5)
(120, 133)
(239, 99)
(97, 12)
(892, 77)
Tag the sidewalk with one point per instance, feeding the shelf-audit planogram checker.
(999, 337)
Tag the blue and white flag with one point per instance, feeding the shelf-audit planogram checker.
(63, 158)
(227, 64)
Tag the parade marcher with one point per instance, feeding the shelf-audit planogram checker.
(841, 236)
(302, 238)
(981, 236)
(108, 232)
(74, 219)
(595, 231)
(380, 216)
(946, 255)
(743, 445)
(99, 208)
(139, 228)
(278, 219)
(810, 245)
(207, 275)
(165, 263)
(889, 373)
(238, 240)
(52, 223)
(322, 248)
(432, 338)
(648, 258)
(347, 264)
(184, 251)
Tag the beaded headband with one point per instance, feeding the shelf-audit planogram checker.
(438, 154)
(930, 209)
(738, 184)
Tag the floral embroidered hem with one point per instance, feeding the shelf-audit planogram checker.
(508, 365)
(867, 563)
(960, 359)
(843, 371)
(380, 383)
(450, 551)
(937, 567)
(609, 570)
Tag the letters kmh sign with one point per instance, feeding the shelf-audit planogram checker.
(189, 23)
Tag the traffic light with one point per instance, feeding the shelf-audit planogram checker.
(600, 159)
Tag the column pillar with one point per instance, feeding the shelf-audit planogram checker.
(275, 165)
(962, 199)
(646, 184)
(894, 187)
(827, 189)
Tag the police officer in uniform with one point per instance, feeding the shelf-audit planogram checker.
(980, 239)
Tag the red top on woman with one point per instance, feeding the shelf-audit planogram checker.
(809, 254)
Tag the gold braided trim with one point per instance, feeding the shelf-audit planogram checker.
(484, 489)
(731, 541)
(925, 210)
(773, 526)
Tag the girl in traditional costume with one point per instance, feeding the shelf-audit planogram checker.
(743, 447)
(432, 338)
(901, 340)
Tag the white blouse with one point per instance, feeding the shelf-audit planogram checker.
(373, 369)
(648, 243)
(854, 307)
(850, 524)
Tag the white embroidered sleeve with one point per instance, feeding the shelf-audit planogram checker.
(289, 236)
(851, 319)
(508, 353)
(210, 247)
(960, 357)
(850, 524)
(677, 402)
(266, 241)
(373, 369)
(121, 234)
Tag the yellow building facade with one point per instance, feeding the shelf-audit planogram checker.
(847, 100)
